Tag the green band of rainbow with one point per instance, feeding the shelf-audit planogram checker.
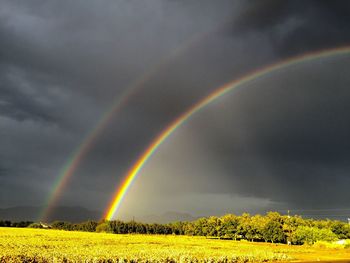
(221, 91)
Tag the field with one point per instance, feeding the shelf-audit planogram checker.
(37, 245)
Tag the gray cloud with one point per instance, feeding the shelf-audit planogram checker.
(282, 138)
(3, 171)
(294, 27)
(63, 64)
(20, 101)
(279, 142)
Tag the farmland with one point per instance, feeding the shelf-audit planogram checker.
(39, 245)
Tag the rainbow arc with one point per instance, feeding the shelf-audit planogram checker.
(117, 105)
(135, 170)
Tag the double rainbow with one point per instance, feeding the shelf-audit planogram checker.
(118, 104)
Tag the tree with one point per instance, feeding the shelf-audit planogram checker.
(189, 229)
(61, 225)
(229, 226)
(213, 226)
(258, 223)
(273, 232)
(5, 223)
(35, 225)
(341, 229)
(88, 226)
(309, 235)
(140, 228)
(116, 227)
(201, 227)
(178, 228)
(102, 227)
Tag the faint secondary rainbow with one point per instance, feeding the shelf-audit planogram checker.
(80, 152)
(78, 155)
(221, 91)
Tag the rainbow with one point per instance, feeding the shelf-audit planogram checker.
(219, 92)
(87, 142)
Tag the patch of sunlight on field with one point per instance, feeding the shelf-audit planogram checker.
(38, 245)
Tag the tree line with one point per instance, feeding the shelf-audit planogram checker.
(272, 227)
(8, 223)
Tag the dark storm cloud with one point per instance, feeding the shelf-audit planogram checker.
(3, 171)
(277, 143)
(17, 102)
(63, 63)
(294, 27)
(98, 46)
(285, 137)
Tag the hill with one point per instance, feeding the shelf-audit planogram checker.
(73, 214)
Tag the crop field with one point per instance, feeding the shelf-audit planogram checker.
(38, 245)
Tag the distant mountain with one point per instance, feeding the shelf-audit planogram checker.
(77, 214)
(19, 213)
(72, 214)
(167, 217)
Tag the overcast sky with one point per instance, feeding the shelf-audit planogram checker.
(280, 142)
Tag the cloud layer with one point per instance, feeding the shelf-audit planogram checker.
(63, 64)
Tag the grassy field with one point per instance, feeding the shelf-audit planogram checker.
(36, 245)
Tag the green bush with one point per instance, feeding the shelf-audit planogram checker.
(326, 244)
(103, 227)
(35, 225)
(88, 226)
(61, 225)
(309, 235)
(341, 229)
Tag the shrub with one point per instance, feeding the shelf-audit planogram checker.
(62, 225)
(103, 227)
(88, 226)
(309, 235)
(35, 225)
(326, 244)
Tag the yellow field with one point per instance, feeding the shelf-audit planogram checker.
(37, 245)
